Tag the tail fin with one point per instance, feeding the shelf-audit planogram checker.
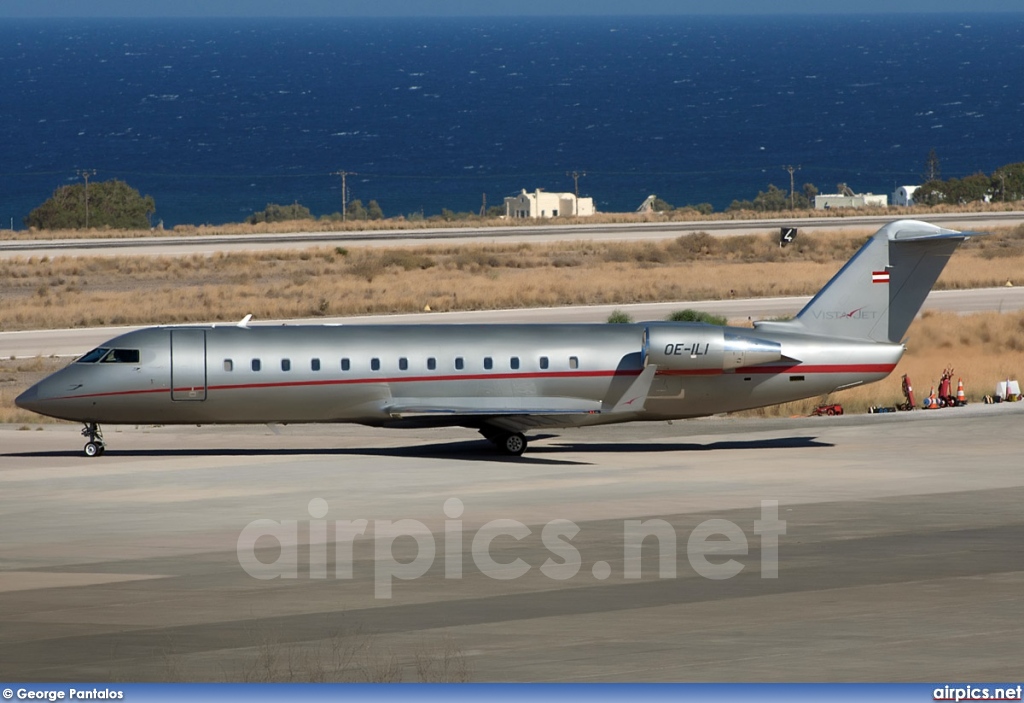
(876, 295)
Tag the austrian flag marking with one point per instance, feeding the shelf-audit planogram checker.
(879, 276)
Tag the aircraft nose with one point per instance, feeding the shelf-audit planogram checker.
(29, 400)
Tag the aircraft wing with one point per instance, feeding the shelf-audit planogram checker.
(495, 405)
(522, 412)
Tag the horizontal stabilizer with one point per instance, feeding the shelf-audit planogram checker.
(916, 234)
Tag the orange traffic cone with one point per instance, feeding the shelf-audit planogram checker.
(961, 397)
(931, 401)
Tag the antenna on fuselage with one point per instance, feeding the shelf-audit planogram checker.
(244, 322)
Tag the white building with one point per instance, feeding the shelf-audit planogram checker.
(541, 204)
(904, 196)
(828, 201)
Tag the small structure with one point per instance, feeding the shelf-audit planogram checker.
(828, 201)
(904, 196)
(648, 204)
(540, 204)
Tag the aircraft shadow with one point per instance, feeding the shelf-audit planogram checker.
(651, 447)
(464, 450)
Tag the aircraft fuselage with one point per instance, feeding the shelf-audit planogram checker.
(568, 375)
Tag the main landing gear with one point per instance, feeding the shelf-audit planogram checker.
(95, 446)
(512, 443)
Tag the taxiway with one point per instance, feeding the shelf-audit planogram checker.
(184, 245)
(900, 559)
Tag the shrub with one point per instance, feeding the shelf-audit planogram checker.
(280, 213)
(690, 315)
(110, 203)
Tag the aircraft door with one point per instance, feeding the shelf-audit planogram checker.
(188, 364)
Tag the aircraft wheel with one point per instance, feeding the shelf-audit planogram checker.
(93, 449)
(514, 444)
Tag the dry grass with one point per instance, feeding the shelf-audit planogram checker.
(95, 291)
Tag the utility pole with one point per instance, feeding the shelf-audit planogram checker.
(344, 192)
(85, 173)
(931, 166)
(792, 183)
(483, 208)
(576, 176)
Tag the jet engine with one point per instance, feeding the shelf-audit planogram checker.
(706, 348)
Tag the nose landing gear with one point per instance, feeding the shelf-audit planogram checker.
(95, 446)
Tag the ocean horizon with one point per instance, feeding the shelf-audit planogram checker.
(217, 118)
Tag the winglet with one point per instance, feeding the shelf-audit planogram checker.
(244, 322)
(633, 400)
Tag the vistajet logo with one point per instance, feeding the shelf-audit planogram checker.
(710, 547)
(858, 314)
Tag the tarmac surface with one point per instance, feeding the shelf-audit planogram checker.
(898, 542)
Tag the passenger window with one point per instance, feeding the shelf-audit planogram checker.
(514, 362)
(431, 364)
(286, 364)
(375, 364)
(459, 363)
(346, 364)
(314, 364)
(543, 362)
(255, 364)
(574, 362)
(488, 363)
(403, 364)
(229, 365)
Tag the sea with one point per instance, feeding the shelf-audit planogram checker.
(217, 118)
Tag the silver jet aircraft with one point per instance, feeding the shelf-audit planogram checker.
(505, 380)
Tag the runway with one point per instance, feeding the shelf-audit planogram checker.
(74, 342)
(898, 544)
(184, 245)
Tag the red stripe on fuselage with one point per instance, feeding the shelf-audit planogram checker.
(109, 394)
(793, 368)
(821, 368)
(367, 380)
(428, 379)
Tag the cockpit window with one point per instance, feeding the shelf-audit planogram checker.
(122, 356)
(110, 356)
(93, 356)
